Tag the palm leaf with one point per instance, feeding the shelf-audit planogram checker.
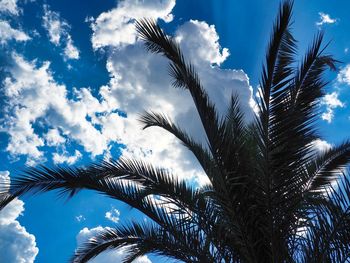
(327, 167)
(141, 239)
(151, 119)
(185, 76)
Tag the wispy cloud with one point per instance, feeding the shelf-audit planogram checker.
(65, 157)
(8, 33)
(9, 7)
(332, 102)
(70, 50)
(344, 75)
(326, 19)
(58, 32)
(80, 218)
(113, 215)
(54, 138)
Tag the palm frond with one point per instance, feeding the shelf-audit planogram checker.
(5, 199)
(151, 119)
(271, 198)
(186, 77)
(275, 81)
(305, 93)
(141, 239)
(69, 181)
(279, 61)
(328, 233)
(154, 180)
(327, 167)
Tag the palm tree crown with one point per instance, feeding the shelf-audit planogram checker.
(271, 198)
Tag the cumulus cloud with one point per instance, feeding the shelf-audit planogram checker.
(331, 102)
(34, 95)
(110, 256)
(8, 33)
(139, 81)
(54, 138)
(113, 215)
(116, 27)
(9, 6)
(16, 244)
(58, 32)
(200, 42)
(344, 75)
(325, 19)
(64, 157)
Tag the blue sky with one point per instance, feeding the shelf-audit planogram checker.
(74, 78)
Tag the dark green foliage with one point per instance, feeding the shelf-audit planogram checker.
(271, 198)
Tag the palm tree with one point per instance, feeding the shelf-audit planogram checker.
(271, 198)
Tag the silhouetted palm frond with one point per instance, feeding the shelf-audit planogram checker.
(271, 196)
(141, 239)
(151, 119)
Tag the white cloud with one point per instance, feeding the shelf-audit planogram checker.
(332, 102)
(116, 27)
(16, 244)
(139, 81)
(325, 19)
(344, 75)
(54, 26)
(66, 158)
(328, 115)
(321, 146)
(33, 95)
(110, 256)
(80, 218)
(9, 6)
(113, 215)
(54, 138)
(70, 50)
(200, 42)
(8, 33)
(58, 31)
